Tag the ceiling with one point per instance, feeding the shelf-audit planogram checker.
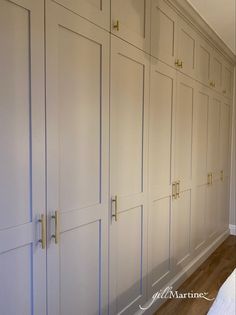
(220, 15)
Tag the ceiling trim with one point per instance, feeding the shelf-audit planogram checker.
(185, 9)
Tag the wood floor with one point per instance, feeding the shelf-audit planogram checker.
(207, 278)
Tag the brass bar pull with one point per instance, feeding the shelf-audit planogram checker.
(222, 175)
(174, 190)
(224, 91)
(177, 62)
(56, 236)
(181, 64)
(178, 189)
(209, 179)
(116, 25)
(114, 200)
(43, 231)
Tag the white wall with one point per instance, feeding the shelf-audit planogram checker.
(220, 15)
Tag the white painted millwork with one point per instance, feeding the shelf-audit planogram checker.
(22, 158)
(128, 160)
(77, 160)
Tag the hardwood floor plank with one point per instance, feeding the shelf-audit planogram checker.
(207, 278)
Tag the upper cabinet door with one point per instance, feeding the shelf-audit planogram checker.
(77, 160)
(228, 78)
(130, 20)
(96, 11)
(187, 45)
(203, 62)
(164, 33)
(216, 71)
(22, 158)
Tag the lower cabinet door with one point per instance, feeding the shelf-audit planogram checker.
(22, 159)
(77, 159)
(128, 180)
(161, 111)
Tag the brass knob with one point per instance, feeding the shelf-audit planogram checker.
(116, 25)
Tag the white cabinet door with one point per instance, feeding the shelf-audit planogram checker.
(217, 71)
(96, 11)
(183, 168)
(203, 61)
(22, 158)
(130, 20)
(77, 159)
(162, 100)
(200, 135)
(213, 164)
(228, 79)
(164, 31)
(128, 177)
(187, 45)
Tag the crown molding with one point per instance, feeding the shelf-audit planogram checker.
(184, 9)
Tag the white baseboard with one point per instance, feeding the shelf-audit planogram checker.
(232, 229)
(186, 272)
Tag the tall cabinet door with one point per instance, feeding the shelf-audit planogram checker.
(217, 71)
(200, 133)
(213, 164)
(22, 159)
(130, 20)
(162, 98)
(128, 177)
(203, 61)
(183, 168)
(77, 159)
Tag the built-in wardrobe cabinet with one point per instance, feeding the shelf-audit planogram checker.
(117, 179)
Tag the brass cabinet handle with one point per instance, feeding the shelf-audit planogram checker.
(212, 84)
(224, 91)
(222, 175)
(174, 196)
(181, 64)
(43, 231)
(209, 179)
(56, 236)
(177, 62)
(114, 200)
(178, 189)
(116, 25)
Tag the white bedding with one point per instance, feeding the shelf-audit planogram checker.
(225, 302)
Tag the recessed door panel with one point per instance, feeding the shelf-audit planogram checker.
(79, 120)
(80, 267)
(133, 18)
(163, 32)
(160, 265)
(127, 128)
(187, 48)
(129, 253)
(77, 159)
(203, 61)
(160, 135)
(184, 130)
(181, 228)
(96, 11)
(217, 71)
(22, 158)
(200, 136)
